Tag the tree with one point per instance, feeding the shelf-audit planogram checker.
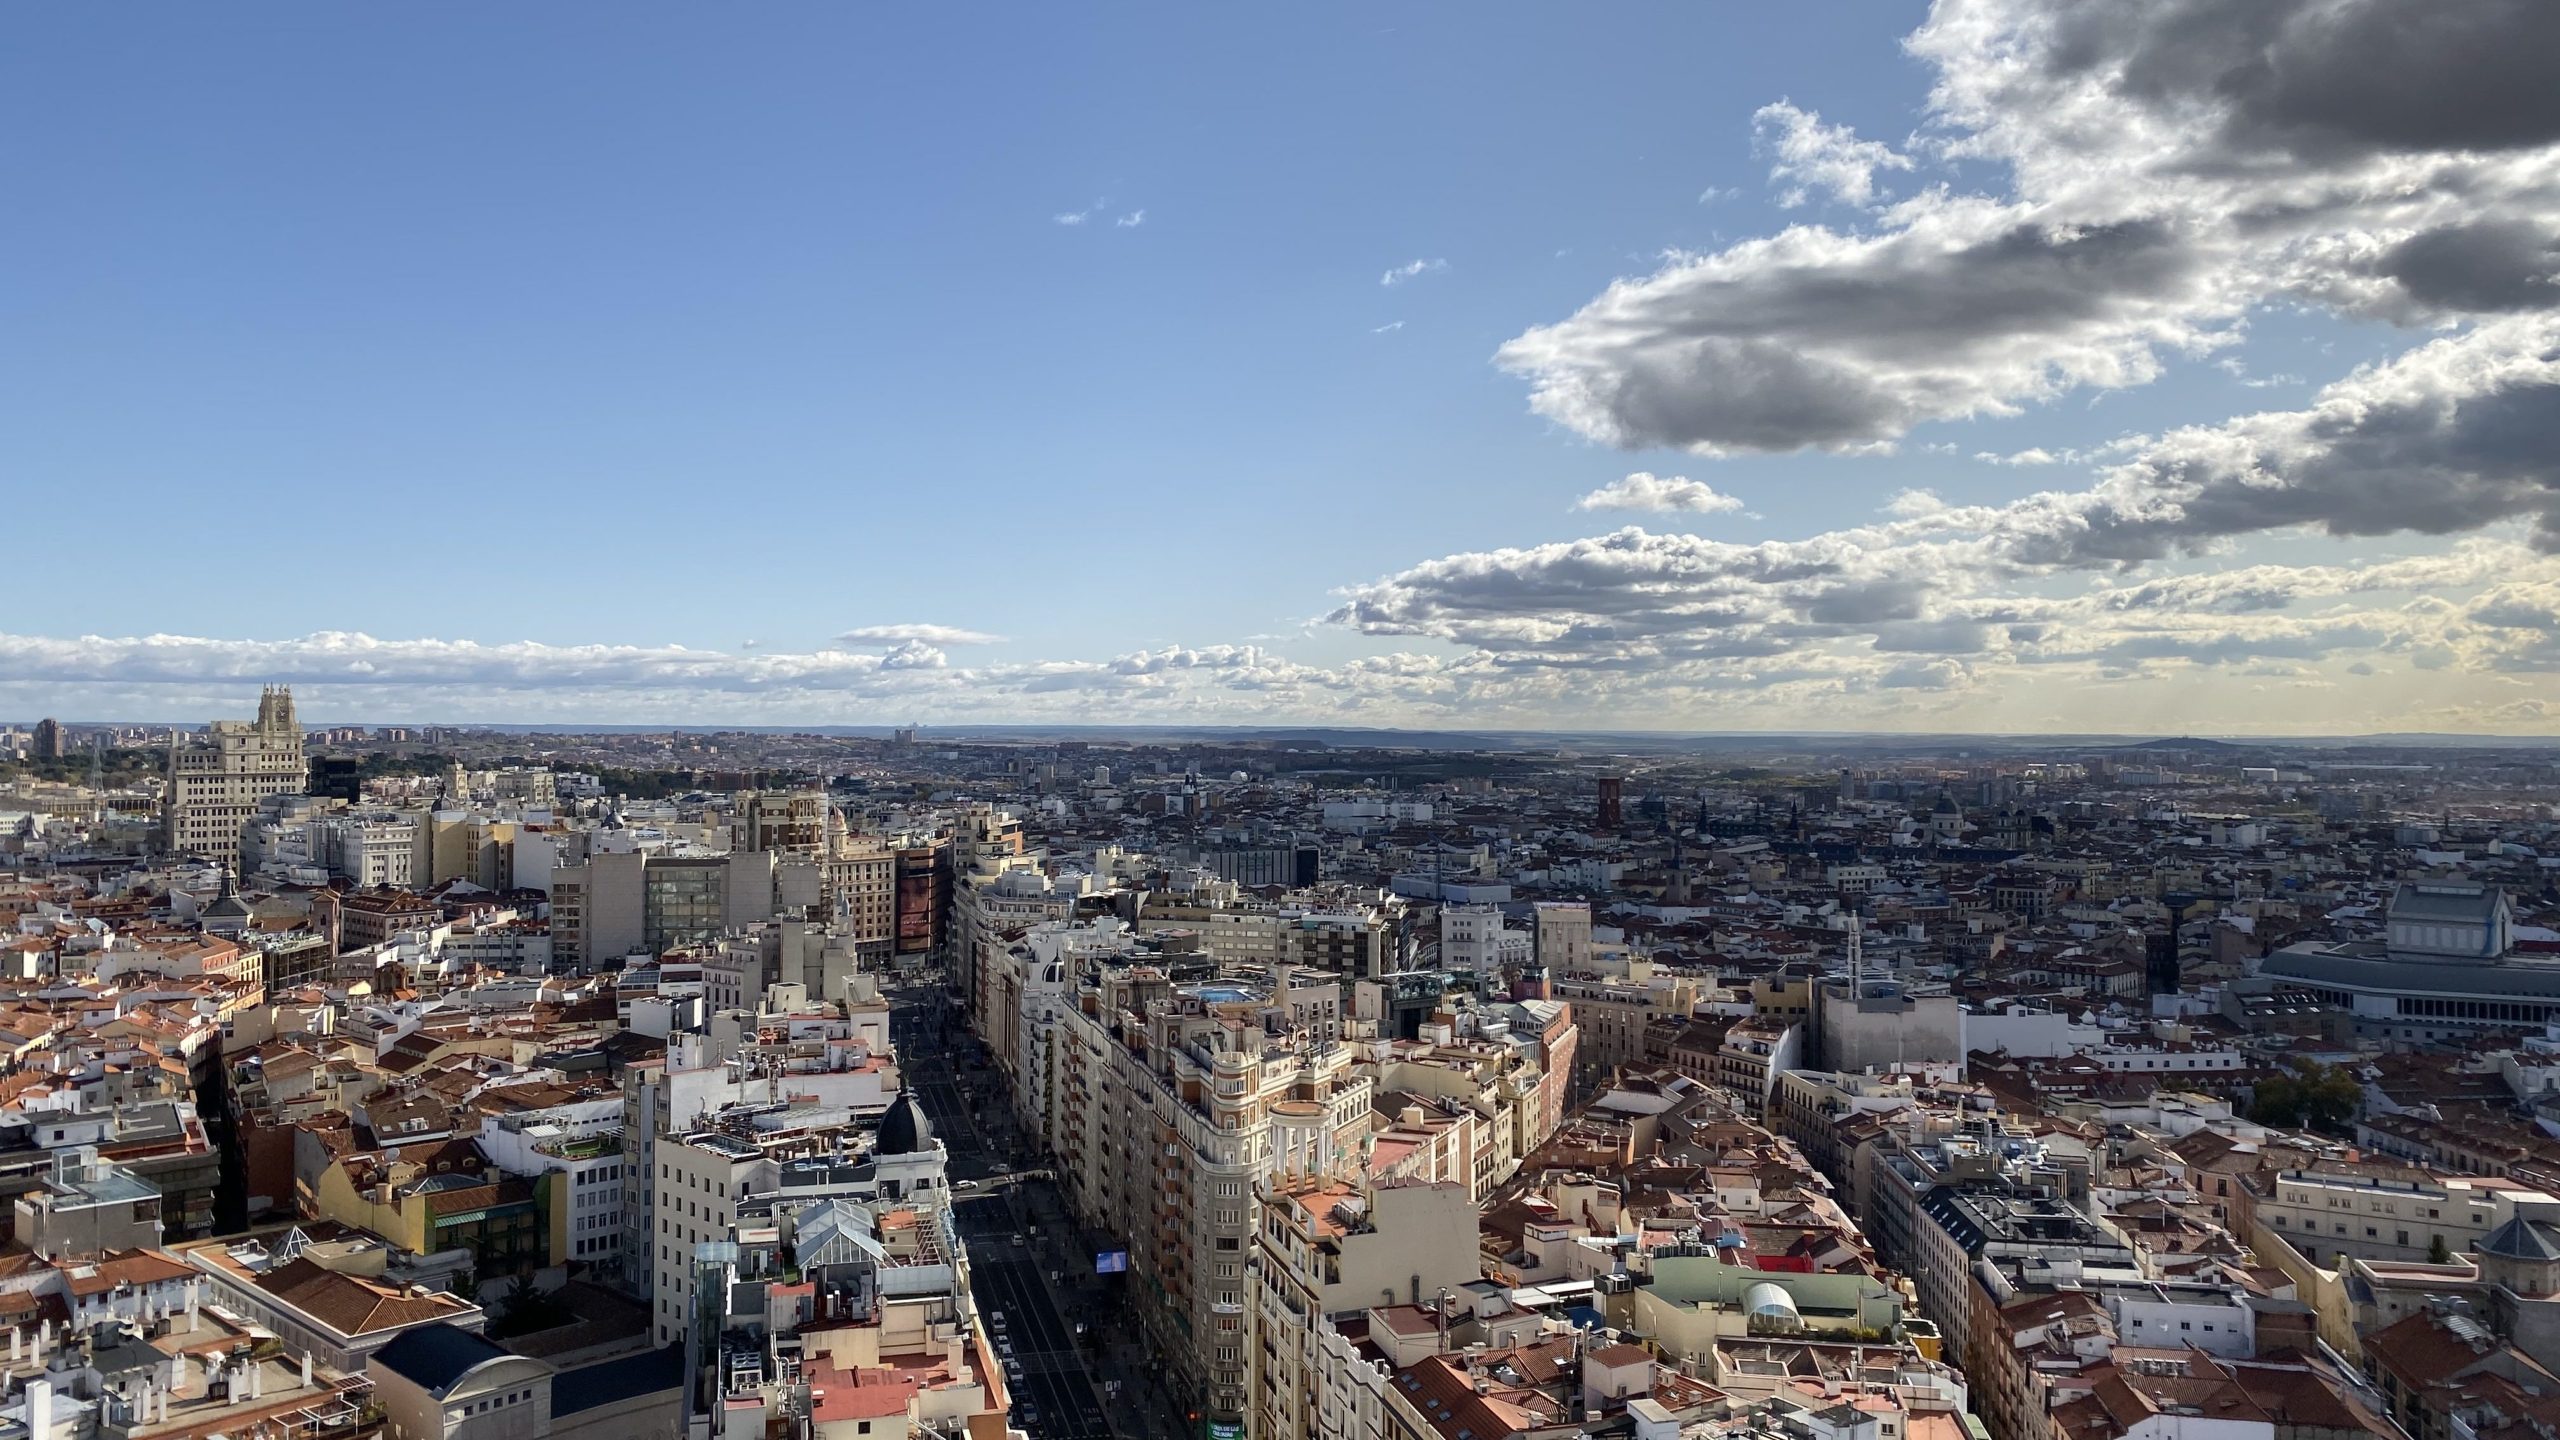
(2277, 1101)
(2321, 1097)
(2438, 1252)
(2331, 1097)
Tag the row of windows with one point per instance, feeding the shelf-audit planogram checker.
(512, 1397)
(2476, 1010)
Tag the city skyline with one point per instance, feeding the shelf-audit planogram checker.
(1987, 366)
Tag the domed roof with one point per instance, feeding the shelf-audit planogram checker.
(2521, 1239)
(904, 1130)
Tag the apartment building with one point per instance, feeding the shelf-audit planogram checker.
(700, 1180)
(623, 903)
(1234, 926)
(1613, 1015)
(662, 1095)
(1563, 936)
(2382, 1212)
(860, 886)
(1356, 938)
(578, 1145)
(1005, 896)
(792, 823)
(370, 848)
(1174, 1099)
(1474, 941)
(1330, 1247)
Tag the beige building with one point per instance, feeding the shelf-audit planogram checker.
(1173, 1102)
(624, 903)
(861, 892)
(789, 822)
(216, 783)
(441, 1382)
(700, 1180)
(1235, 928)
(1563, 937)
(1328, 1247)
(2389, 1213)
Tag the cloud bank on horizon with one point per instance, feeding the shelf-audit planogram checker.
(2096, 194)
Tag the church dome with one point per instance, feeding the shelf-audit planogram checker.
(904, 1130)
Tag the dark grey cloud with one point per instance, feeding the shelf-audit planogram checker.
(2409, 449)
(2320, 79)
(1834, 341)
(2492, 265)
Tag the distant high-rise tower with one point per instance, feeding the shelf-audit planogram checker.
(48, 740)
(1612, 797)
(216, 783)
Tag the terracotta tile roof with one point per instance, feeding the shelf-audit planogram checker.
(2425, 1348)
(870, 1393)
(1446, 1395)
(351, 1305)
(129, 1267)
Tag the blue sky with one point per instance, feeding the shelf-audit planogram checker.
(653, 326)
(629, 281)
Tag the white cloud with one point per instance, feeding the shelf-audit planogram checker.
(2448, 438)
(2151, 192)
(1411, 269)
(1809, 155)
(1389, 328)
(928, 634)
(1645, 491)
(1132, 220)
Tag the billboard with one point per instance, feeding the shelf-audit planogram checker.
(924, 890)
(1111, 1262)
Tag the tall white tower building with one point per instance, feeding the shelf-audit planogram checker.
(216, 783)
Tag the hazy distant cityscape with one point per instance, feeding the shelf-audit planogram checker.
(1278, 1085)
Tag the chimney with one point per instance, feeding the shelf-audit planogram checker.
(40, 1409)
